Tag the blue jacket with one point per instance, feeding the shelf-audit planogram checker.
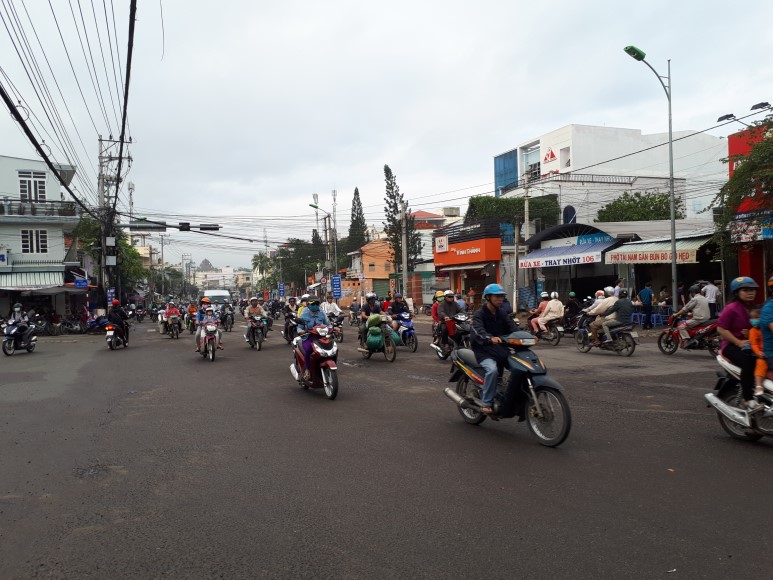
(311, 319)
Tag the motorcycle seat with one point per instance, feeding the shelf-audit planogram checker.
(467, 357)
(623, 328)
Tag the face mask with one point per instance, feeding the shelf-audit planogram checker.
(755, 322)
(314, 307)
(17, 309)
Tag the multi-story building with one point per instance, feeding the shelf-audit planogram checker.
(586, 167)
(34, 258)
(369, 271)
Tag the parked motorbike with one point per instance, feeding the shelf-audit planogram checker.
(535, 398)
(338, 328)
(459, 328)
(406, 331)
(728, 402)
(426, 309)
(702, 337)
(378, 339)
(624, 339)
(323, 368)
(209, 341)
(256, 332)
(19, 335)
(96, 324)
(114, 336)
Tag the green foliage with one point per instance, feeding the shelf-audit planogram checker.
(358, 228)
(511, 209)
(393, 201)
(638, 206)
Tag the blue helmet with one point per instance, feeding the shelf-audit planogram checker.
(742, 282)
(493, 289)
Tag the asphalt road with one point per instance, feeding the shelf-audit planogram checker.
(151, 462)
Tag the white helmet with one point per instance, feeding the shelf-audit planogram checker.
(609, 290)
(253, 298)
(554, 294)
(544, 295)
(305, 298)
(370, 295)
(449, 293)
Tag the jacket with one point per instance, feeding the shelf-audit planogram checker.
(485, 326)
(600, 308)
(699, 307)
(620, 310)
(553, 310)
(449, 309)
(311, 319)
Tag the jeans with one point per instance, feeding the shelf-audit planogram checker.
(489, 380)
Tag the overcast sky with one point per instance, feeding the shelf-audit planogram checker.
(257, 105)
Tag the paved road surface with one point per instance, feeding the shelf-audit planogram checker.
(153, 463)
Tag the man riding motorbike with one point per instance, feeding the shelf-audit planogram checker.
(572, 307)
(253, 309)
(171, 310)
(117, 315)
(622, 310)
(371, 306)
(398, 306)
(446, 310)
(554, 310)
(489, 325)
(289, 310)
(699, 307)
(311, 317)
(331, 309)
(599, 310)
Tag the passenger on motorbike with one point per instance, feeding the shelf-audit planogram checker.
(117, 315)
(436, 304)
(535, 313)
(733, 326)
(446, 310)
(489, 325)
(699, 307)
(599, 310)
(302, 306)
(208, 316)
(554, 310)
(621, 310)
(311, 317)
(398, 306)
(253, 309)
(572, 307)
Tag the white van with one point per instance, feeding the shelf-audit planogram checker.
(218, 296)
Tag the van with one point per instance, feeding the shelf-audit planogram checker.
(218, 296)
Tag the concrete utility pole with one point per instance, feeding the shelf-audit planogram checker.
(335, 234)
(404, 220)
(102, 212)
(163, 264)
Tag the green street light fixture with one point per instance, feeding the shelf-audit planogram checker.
(639, 55)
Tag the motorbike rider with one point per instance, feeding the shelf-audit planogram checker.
(200, 314)
(311, 317)
(371, 306)
(289, 310)
(535, 313)
(398, 306)
(354, 308)
(254, 308)
(554, 310)
(599, 310)
(572, 307)
(446, 310)
(18, 315)
(699, 307)
(331, 309)
(117, 315)
(489, 325)
(208, 316)
(191, 312)
(598, 298)
(171, 310)
(733, 326)
(622, 310)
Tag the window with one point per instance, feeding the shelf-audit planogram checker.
(388, 266)
(34, 241)
(32, 186)
(371, 267)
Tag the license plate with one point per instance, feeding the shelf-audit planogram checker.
(635, 334)
(110, 333)
(560, 328)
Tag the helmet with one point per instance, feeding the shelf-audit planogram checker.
(742, 282)
(171, 304)
(253, 298)
(544, 295)
(370, 296)
(205, 300)
(609, 290)
(115, 303)
(261, 299)
(209, 309)
(398, 295)
(293, 298)
(599, 293)
(439, 294)
(448, 293)
(492, 290)
(572, 294)
(313, 300)
(554, 294)
(305, 298)
(18, 304)
(695, 289)
(623, 294)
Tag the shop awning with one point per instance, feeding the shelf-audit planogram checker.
(657, 252)
(574, 255)
(30, 281)
(478, 266)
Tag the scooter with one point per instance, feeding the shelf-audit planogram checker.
(728, 402)
(19, 335)
(378, 338)
(531, 394)
(228, 321)
(552, 334)
(701, 337)
(256, 332)
(406, 331)
(209, 341)
(323, 368)
(338, 328)
(624, 338)
(173, 324)
(291, 328)
(139, 313)
(114, 336)
(458, 335)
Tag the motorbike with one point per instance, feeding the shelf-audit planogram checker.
(338, 328)
(379, 339)
(702, 337)
(173, 323)
(458, 335)
(228, 321)
(552, 334)
(139, 313)
(291, 328)
(426, 309)
(209, 341)
(536, 398)
(19, 335)
(728, 402)
(406, 331)
(354, 318)
(256, 332)
(190, 322)
(96, 324)
(114, 336)
(323, 368)
(624, 338)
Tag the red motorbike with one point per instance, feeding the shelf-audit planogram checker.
(702, 337)
(323, 369)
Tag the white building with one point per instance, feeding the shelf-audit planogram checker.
(586, 167)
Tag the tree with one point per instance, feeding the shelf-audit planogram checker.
(393, 201)
(638, 206)
(511, 209)
(358, 227)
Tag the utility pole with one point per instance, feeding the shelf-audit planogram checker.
(404, 220)
(102, 214)
(335, 234)
(316, 211)
(163, 264)
(131, 202)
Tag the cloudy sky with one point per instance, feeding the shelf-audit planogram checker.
(240, 110)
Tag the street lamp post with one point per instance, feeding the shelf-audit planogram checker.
(638, 54)
(334, 235)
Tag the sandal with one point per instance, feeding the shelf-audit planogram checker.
(487, 410)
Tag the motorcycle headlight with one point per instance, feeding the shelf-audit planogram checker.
(326, 352)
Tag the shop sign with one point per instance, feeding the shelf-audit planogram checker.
(441, 244)
(633, 257)
(549, 156)
(484, 250)
(575, 260)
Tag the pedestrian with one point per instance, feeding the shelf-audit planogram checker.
(646, 296)
(710, 291)
(462, 304)
(618, 287)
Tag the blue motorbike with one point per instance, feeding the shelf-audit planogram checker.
(406, 331)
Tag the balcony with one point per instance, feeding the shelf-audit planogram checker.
(14, 207)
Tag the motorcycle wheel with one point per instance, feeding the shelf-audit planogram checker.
(390, 350)
(258, 340)
(582, 342)
(666, 343)
(8, 347)
(412, 343)
(340, 335)
(330, 379)
(211, 352)
(111, 344)
(32, 346)
(714, 343)
(735, 399)
(555, 337)
(471, 416)
(442, 354)
(629, 345)
(553, 427)
(365, 355)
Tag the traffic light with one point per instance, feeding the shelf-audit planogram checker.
(185, 226)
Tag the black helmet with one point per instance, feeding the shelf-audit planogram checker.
(623, 294)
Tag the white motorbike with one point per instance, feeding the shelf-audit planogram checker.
(734, 418)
